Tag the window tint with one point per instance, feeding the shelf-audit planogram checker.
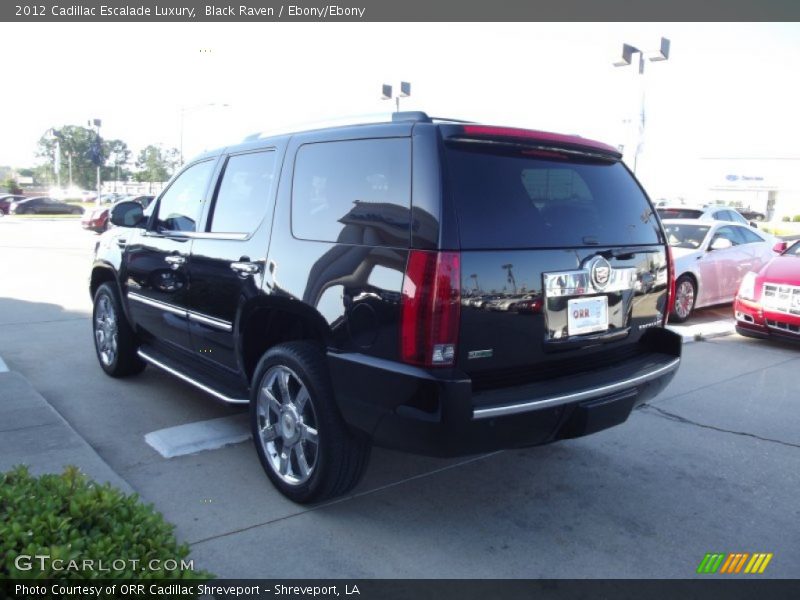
(686, 236)
(244, 193)
(353, 192)
(729, 233)
(180, 204)
(750, 237)
(515, 200)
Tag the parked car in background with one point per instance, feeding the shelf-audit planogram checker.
(705, 213)
(752, 215)
(7, 200)
(711, 258)
(97, 219)
(507, 302)
(44, 205)
(768, 301)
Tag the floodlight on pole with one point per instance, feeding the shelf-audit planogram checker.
(405, 92)
(628, 52)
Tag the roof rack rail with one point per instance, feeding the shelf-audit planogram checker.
(365, 119)
(448, 120)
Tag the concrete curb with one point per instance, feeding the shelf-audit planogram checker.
(33, 433)
(706, 331)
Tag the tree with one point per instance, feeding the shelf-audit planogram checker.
(12, 186)
(118, 155)
(82, 145)
(155, 163)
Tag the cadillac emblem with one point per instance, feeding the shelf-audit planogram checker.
(600, 272)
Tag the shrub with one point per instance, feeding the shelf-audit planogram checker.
(796, 219)
(71, 518)
(786, 219)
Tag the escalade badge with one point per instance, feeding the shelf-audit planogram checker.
(600, 272)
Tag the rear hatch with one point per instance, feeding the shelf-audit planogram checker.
(563, 262)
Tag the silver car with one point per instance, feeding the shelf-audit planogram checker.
(711, 258)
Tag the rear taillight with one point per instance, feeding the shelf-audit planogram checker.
(430, 308)
(670, 304)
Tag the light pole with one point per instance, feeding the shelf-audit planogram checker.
(97, 154)
(405, 92)
(184, 110)
(52, 134)
(628, 52)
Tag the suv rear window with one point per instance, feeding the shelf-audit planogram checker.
(515, 199)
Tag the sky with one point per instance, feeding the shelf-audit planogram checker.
(727, 90)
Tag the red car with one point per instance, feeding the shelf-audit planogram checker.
(768, 302)
(97, 218)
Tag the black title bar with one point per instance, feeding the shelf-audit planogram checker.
(399, 10)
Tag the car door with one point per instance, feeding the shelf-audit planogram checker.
(227, 260)
(155, 259)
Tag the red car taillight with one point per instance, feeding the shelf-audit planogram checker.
(670, 304)
(430, 308)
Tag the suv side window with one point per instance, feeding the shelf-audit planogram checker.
(179, 206)
(244, 193)
(353, 192)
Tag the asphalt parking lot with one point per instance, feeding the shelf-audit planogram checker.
(711, 465)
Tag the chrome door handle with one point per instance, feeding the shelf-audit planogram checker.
(245, 269)
(175, 260)
(121, 242)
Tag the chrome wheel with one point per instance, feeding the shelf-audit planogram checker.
(287, 425)
(684, 299)
(106, 333)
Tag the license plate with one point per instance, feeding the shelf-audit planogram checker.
(587, 315)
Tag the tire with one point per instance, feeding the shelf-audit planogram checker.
(685, 297)
(114, 340)
(324, 459)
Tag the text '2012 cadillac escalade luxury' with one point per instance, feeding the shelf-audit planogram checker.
(439, 287)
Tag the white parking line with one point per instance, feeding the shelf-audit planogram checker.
(3, 366)
(199, 436)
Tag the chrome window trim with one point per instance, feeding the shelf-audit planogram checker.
(547, 402)
(157, 304)
(188, 379)
(198, 235)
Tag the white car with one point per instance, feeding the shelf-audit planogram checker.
(704, 213)
(710, 260)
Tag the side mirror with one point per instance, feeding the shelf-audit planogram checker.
(127, 214)
(753, 224)
(780, 247)
(720, 243)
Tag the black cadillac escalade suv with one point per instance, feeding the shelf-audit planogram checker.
(428, 285)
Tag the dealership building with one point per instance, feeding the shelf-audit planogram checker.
(767, 185)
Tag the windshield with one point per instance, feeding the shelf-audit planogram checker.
(793, 250)
(686, 236)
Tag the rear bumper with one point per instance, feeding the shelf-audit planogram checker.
(436, 413)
